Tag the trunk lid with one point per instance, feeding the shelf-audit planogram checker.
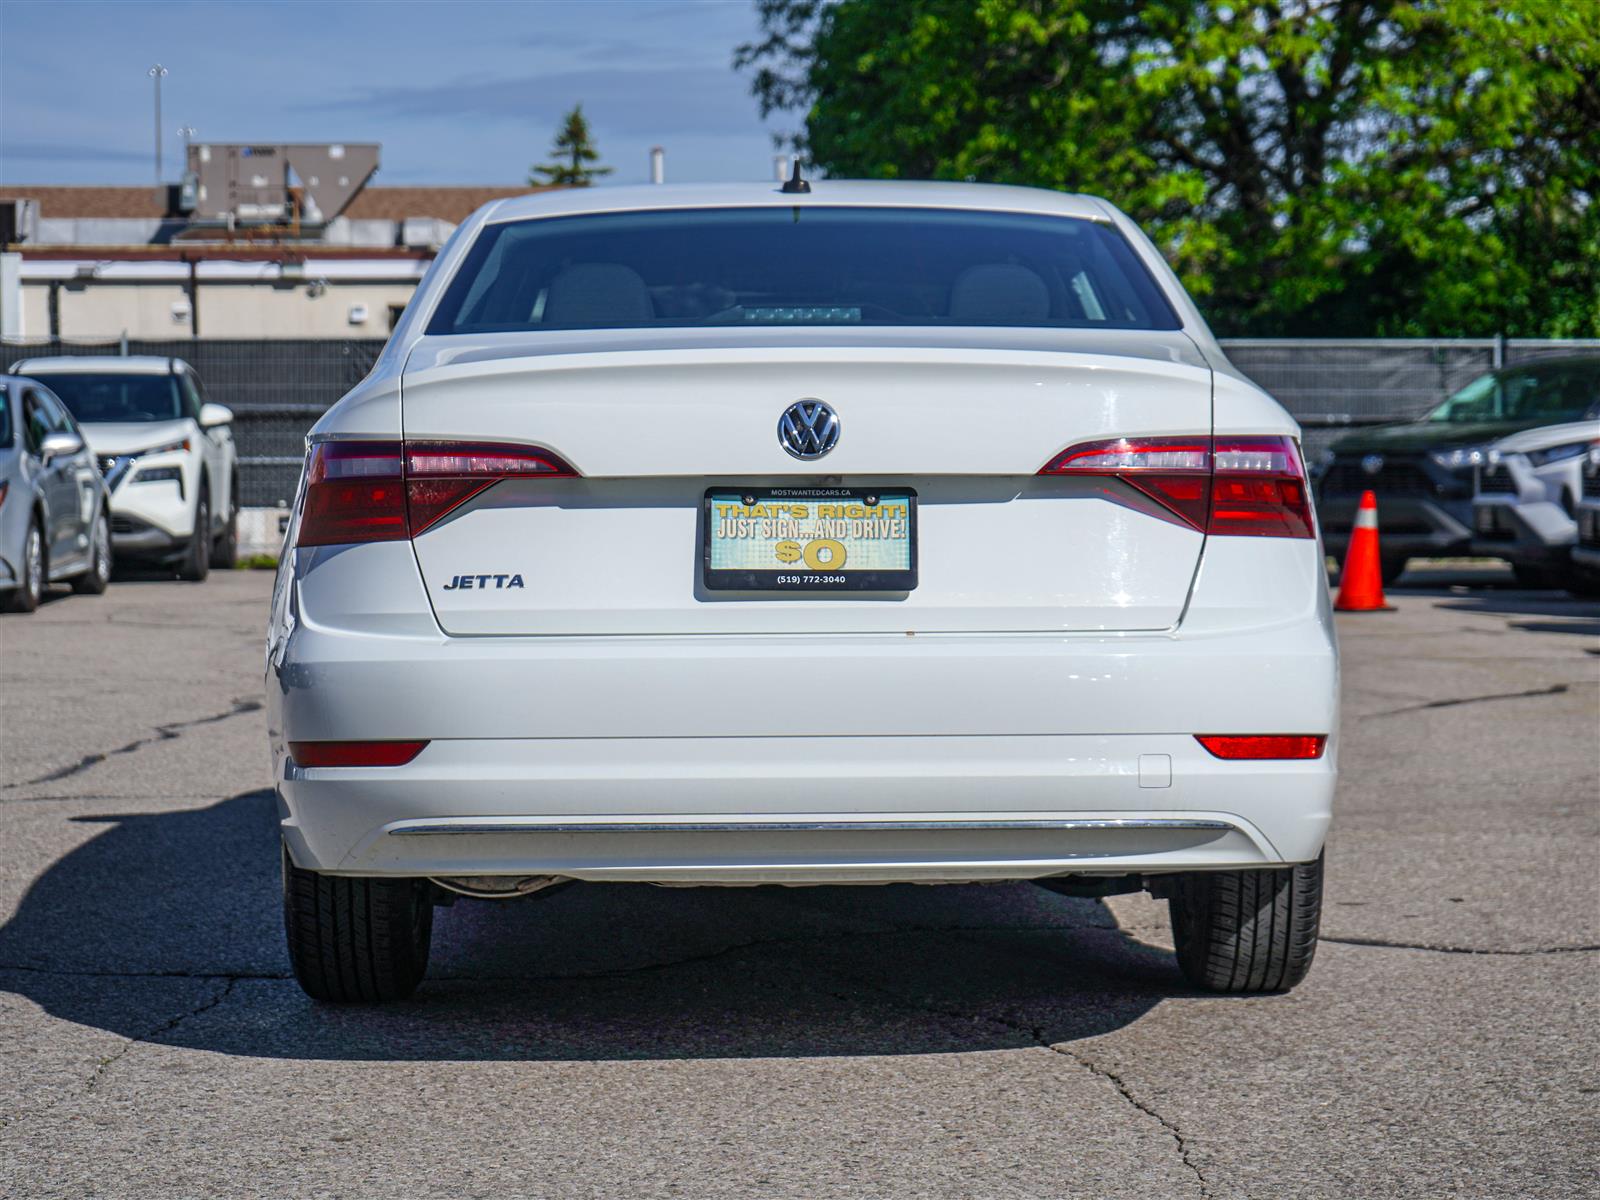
(651, 427)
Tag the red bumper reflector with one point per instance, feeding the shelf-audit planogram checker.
(354, 754)
(1267, 745)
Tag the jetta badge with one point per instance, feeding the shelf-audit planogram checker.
(808, 429)
(1372, 464)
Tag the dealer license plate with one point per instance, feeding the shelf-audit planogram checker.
(810, 539)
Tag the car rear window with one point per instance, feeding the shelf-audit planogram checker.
(804, 265)
(5, 416)
(92, 396)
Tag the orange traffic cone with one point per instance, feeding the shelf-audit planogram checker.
(1361, 581)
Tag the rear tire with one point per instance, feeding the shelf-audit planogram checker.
(225, 550)
(195, 564)
(93, 581)
(24, 598)
(1247, 931)
(356, 940)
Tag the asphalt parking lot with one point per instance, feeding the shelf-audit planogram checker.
(901, 1041)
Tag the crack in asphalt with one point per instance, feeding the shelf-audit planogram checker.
(1386, 945)
(1555, 689)
(166, 1027)
(1036, 1034)
(1126, 1093)
(163, 733)
(105, 1064)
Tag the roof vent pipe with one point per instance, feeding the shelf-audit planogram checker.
(658, 165)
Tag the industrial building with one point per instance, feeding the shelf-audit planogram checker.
(286, 241)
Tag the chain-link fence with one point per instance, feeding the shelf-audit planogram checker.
(277, 388)
(1331, 385)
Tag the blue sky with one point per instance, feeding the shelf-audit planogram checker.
(466, 92)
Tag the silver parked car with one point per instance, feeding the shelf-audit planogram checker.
(54, 510)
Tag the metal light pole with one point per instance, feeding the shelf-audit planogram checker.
(186, 132)
(155, 73)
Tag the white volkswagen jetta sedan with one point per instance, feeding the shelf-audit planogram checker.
(731, 535)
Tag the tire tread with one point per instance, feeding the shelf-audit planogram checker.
(355, 940)
(1247, 931)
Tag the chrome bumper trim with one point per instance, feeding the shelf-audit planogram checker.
(457, 827)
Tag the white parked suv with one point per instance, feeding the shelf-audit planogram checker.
(167, 455)
(1526, 500)
(732, 535)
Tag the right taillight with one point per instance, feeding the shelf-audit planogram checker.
(1229, 486)
(391, 491)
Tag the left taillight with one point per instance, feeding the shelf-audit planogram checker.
(1230, 486)
(355, 492)
(391, 491)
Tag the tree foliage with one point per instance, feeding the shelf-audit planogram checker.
(574, 154)
(1309, 167)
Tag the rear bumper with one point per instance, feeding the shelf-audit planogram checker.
(807, 810)
(808, 758)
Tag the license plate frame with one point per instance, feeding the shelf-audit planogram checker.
(801, 577)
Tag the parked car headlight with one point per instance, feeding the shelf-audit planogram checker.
(1322, 462)
(166, 449)
(1556, 453)
(1461, 456)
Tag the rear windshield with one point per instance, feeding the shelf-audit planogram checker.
(109, 397)
(1553, 392)
(800, 266)
(5, 416)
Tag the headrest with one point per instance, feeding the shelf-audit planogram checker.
(598, 294)
(993, 293)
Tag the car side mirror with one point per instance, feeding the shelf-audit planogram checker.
(59, 445)
(212, 415)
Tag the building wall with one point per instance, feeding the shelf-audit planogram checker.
(257, 310)
(249, 310)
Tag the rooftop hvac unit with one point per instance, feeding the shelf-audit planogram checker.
(239, 184)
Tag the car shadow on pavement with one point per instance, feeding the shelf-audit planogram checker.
(166, 927)
(1568, 614)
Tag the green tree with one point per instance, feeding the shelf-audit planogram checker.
(574, 154)
(1309, 167)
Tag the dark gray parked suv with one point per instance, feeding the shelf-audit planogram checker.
(1422, 471)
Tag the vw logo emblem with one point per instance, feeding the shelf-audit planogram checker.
(1372, 464)
(808, 429)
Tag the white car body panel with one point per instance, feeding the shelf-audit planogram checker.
(1016, 715)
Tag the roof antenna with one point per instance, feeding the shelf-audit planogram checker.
(794, 185)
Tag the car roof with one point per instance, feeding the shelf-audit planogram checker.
(857, 193)
(126, 364)
(1550, 362)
